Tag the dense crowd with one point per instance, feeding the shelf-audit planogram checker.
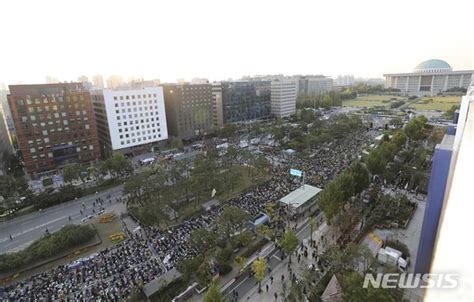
(114, 273)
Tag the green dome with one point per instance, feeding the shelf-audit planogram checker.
(433, 65)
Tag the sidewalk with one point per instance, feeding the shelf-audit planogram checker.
(323, 237)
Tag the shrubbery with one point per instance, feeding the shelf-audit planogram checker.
(48, 246)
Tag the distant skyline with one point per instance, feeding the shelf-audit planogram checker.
(170, 40)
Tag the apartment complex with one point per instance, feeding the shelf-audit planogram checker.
(283, 97)
(54, 125)
(129, 119)
(241, 101)
(188, 109)
(429, 78)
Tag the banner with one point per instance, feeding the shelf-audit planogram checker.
(295, 172)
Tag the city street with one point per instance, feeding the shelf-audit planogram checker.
(26, 229)
(246, 284)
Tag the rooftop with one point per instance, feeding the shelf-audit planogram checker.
(433, 65)
(300, 196)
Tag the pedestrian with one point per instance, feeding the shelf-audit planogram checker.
(11, 238)
(276, 296)
(271, 279)
(266, 287)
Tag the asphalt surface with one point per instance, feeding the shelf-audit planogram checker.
(28, 228)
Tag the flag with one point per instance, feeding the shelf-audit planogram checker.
(295, 172)
(213, 192)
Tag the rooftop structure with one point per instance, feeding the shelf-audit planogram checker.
(301, 198)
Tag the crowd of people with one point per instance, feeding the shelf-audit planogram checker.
(114, 273)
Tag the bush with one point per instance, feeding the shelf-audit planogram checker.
(224, 268)
(48, 246)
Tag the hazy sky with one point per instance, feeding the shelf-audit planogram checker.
(228, 39)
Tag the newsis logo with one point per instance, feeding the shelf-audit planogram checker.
(404, 280)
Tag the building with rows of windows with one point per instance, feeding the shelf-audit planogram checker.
(188, 109)
(241, 101)
(283, 97)
(429, 78)
(54, 125)
(129, 120)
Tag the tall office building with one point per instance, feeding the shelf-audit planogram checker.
(188, 109)
(98, 81)
(55, 124)
(129, 120)
(283, 97)
(429, 78)
(241, 101)
(314, 85)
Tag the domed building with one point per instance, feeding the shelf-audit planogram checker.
(430, 77)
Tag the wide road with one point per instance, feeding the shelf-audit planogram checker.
(27, 228)
(246, 281)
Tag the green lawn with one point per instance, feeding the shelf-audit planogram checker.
(371, 101)
(438, 103)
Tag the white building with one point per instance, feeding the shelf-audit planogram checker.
(129, 119)
(429, 78)
(283, 97)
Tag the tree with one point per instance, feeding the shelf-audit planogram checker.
(259, 267)
(7, 186)
(354, 291)
(288, 243)
(213, 293)
(117, 165)
(176, 142)
(399, 138)
(331, 199)
(71, 172)
(360, 175)
(228, 131)
(264, 231)
(241, 261)
(414, 129)
(231, 220)
(375, 162)
(203, 240)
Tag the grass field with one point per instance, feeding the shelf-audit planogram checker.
(371, 101)
(439, 103)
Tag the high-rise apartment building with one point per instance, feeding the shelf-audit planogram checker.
(241, 101)
(54, 124)
(283, 97)
(188, 109)
(129, 119)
